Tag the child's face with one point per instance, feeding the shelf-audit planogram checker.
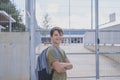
(56, 37)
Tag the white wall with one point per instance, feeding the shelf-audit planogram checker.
(14, 56)
(106, 37)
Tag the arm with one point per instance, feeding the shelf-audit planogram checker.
(58, 67)
(61, 67)
(67, 65)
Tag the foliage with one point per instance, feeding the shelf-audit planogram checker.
(10, 8)
(46, 24)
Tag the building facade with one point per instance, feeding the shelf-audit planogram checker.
(70, 36)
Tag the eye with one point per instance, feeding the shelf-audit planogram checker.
(61, 34)
(56, 34)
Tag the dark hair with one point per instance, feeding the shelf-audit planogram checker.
(60, 31)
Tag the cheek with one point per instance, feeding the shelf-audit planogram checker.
(53, 38)
(60, 37)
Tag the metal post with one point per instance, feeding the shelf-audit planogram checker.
(69, 24)
(97, 39)
(10, 24)
(32, 36)
(27, 15)
(91, 14)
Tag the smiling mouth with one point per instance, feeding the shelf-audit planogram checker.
(58, 39)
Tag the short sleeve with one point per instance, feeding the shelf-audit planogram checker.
(63, 55)
(51, 57)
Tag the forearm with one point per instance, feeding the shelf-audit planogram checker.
(67, 66)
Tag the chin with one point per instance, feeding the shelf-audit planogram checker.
(58, 42)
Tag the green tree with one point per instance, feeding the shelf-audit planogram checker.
(10, 8)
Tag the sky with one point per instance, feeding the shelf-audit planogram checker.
(74, 14)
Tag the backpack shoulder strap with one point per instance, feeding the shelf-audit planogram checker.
(56, 52)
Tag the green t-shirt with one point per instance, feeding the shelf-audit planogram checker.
(51, 57)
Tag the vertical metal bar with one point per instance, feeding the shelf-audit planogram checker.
(32, 46)
(27, 15)
(69, 24)
(97, 39)
(91, 14)
(10, 24)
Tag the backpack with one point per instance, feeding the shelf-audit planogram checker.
(42, 65)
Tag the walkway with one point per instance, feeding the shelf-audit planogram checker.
(84, 64)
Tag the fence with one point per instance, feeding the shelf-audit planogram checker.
(24, 19)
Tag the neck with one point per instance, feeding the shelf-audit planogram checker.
(57, 45)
